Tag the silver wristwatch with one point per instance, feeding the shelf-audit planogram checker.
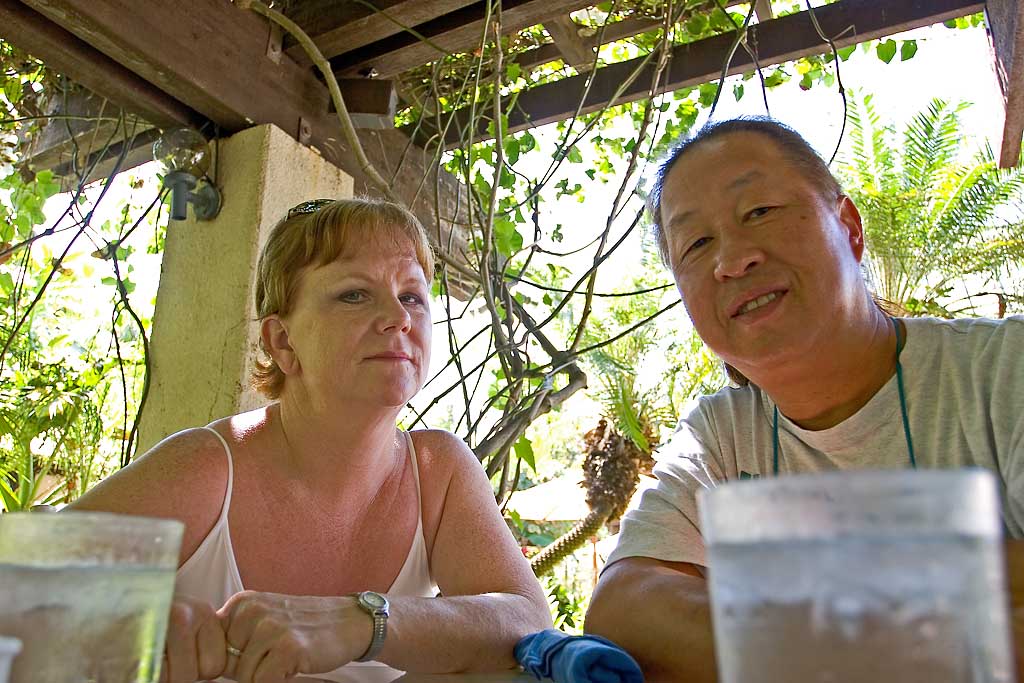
(376, 605)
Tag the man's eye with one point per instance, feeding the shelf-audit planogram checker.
(414, 299)
(760, 211)
(696, 244)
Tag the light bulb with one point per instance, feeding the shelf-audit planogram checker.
(182, 149)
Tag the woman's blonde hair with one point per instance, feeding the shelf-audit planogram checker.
(314, 234)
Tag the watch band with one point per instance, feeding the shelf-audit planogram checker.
(376, 606)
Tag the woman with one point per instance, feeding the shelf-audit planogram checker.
(319, 495)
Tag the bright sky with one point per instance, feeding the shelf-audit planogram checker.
(950, 64)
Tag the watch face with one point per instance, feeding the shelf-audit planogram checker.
(374, 600)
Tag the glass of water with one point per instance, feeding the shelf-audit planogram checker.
(858, 577)
(88, 595)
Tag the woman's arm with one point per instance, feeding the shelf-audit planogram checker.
(491, 596)
(490, 600)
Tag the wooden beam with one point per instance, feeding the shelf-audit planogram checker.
(339, 27)
(70, 56)
(565, 34)
(779, 40)
(763, 10)
(90, 147)
(1005, 19)
(458, 31)
(371, 103)
(618, 30)
(209, 56)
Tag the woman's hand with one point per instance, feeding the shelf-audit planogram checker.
(285, 635)
(196, 643)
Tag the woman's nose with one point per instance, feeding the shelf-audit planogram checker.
(393, 316)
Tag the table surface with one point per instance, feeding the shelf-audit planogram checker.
(505, 677)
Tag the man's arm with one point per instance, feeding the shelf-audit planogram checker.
(1015, 579)
(660, 613)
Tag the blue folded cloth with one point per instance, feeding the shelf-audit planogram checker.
(576, 659)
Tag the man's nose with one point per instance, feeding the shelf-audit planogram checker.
(737, 254)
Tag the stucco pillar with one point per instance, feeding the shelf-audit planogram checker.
(204, 335)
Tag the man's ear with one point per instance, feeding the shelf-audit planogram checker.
(274, 335)
(849, 216)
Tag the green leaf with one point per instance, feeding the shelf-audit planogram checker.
(524, 451)
(886, 50)
(737, 91)
(6, 283)
(707, 93)
(908, 50)
(845, 52)
(527, 142)
(512, 71)
(507, 239)
(697, 24)
(512, 150)
(574, 155)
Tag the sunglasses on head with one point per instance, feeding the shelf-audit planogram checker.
(311, 206)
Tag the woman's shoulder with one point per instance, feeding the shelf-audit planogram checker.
(440, 449)
(183, 477)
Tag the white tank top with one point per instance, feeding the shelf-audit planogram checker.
(211, 573)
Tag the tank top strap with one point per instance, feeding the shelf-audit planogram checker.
(415, 469)
(231, 475)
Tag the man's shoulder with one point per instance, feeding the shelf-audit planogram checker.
(728, 403)
(960, 327)
(976, 338)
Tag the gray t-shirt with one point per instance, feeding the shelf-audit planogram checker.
(964, 386)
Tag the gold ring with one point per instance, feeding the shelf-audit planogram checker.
(234, 651)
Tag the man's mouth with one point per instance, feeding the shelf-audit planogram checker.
(754, 304)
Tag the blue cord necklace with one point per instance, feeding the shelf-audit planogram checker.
(903, 409)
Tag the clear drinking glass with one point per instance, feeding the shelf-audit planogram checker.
(858, 577)
(88, 594)
(9, 649)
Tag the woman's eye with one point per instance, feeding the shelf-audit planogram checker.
(353, 297)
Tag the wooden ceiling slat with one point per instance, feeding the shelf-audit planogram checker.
(207, 53)
(776, 41)
(574, 49)
(211, 57)
(627, 28)
(67, 54)
(458, 31)
(342, 27)
(1006, 28)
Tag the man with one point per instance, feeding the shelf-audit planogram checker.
(765, 250)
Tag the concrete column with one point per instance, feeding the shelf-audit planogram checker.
(205, 336)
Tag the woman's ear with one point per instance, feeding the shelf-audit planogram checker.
(274, 334)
